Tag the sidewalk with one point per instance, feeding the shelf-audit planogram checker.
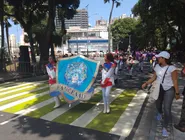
(150, 129)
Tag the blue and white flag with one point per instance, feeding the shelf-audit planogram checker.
(75, 77)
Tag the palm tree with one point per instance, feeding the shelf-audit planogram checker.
(117, 3)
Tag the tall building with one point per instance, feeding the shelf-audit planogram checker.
(12, 43)
(80, 19)
(22, 42)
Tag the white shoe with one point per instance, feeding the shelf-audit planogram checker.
(105, 108)
(57, 102)
(56, 106)
(108, 109)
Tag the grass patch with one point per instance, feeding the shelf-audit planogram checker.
(13, 87)
(2, 86)
(74, 113)
(27, 104)
(23, 96)
(44, 110)
(105, 122)
(23, 90)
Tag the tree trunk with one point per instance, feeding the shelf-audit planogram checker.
(7, 38)
(2, 65)
(109, 27)
(43, 48)
(51, 25)
(31, 46)
(30, 33)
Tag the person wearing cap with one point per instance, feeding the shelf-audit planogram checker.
(167, 75)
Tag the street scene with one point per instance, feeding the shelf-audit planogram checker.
(92, 70)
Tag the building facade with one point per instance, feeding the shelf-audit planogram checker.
(101, 22)
(88, 40)
(79, 20)
(12, 43)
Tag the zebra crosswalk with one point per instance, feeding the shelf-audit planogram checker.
(32, 99)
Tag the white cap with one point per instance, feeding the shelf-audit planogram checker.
(163, 54)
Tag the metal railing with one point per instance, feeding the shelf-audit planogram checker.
(17, 69)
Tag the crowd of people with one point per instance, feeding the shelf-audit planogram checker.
(163, 71)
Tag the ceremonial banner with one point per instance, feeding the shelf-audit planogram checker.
(75, 77)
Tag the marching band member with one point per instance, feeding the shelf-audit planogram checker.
(51, 70)
(107, 80)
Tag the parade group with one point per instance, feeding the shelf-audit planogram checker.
(165, 77)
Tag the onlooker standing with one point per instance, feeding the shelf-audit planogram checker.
(167, 75)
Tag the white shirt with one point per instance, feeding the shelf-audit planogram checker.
(168, 82)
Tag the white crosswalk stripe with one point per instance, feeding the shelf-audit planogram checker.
(87, 117)
(22, 93)
(28, 110)
(18, 89)
(22, 101)
(57, 112)
(21, 84)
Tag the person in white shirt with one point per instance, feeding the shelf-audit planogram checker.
(167, 75)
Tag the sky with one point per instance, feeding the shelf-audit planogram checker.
(96, 10)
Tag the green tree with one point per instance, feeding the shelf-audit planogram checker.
(121, 30)
(165, 19)
(117, 3)
(31, 13)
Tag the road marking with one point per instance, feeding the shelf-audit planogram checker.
(87, 117)
(22, 101)
(57, 112)
(28, 110)
(20, 94)
(20, 85)
(34, 85)
(127, 120)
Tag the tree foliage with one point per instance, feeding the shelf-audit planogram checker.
(164, 21)
(37, 17)
(121, 30)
